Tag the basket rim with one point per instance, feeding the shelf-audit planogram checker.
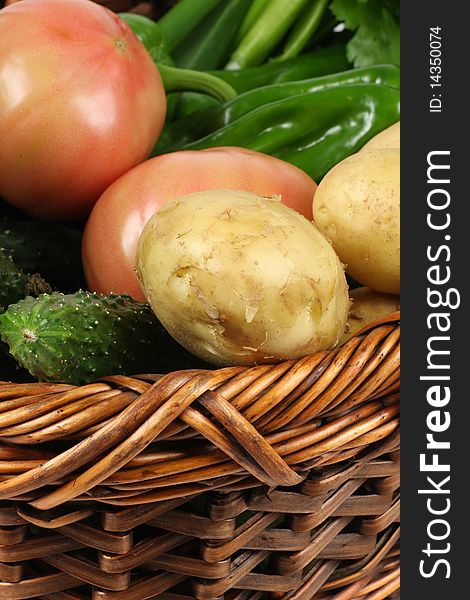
(156, 436)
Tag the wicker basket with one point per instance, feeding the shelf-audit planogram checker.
(276, 481)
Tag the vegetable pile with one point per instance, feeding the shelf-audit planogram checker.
(217, 187)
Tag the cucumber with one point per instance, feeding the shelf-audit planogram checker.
(15, 283)
(77, 338)
(50, 249)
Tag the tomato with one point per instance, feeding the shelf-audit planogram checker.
(81, 102)
(113, 229)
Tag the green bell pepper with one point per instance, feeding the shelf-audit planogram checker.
(314, 64)
(313, 124)
(208, 121)
(324, 61)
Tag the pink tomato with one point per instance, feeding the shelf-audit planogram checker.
(81, 102)
(115, 224)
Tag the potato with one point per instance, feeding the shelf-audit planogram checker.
(241, 279)
(388, 138)
(357, 206)
(368, 306)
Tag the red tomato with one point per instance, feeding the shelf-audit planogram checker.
(113, 229)
(81, 102)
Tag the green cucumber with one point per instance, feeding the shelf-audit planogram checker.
(50, 249)
(15, 283)
(77, 338)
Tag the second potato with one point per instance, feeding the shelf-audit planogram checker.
(357, 206)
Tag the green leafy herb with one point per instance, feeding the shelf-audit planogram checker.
(377, 30)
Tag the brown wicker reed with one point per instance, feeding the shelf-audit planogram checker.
(274, 481)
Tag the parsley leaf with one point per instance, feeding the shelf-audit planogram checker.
(377, 27)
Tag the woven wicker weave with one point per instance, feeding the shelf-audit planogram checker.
(276, 481)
